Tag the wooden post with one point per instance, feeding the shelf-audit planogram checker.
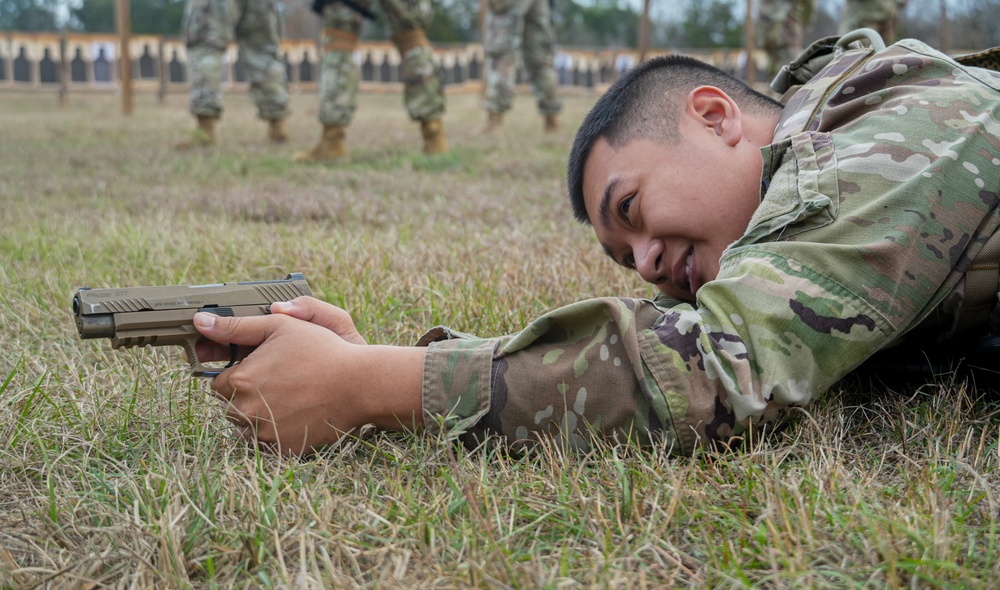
(9, 81)
(161, 68)
(644, 32)
(945, 43)
(295, 78)
(63, 71)
(482, 17)
(749, 44)
(125, 59)
(36, 68)
(483, 8)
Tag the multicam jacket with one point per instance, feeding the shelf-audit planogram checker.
(880, 187)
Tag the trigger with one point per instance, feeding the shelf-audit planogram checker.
(234, 351)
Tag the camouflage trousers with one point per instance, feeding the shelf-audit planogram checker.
(873, 14)
(780, 30)
(423, 93)
(524, 25)
(256, 25)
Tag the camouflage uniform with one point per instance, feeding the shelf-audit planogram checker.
(524, 25)
(780, 28)
(257, 25)
(873, 14)
(879, 189)
(423, 93)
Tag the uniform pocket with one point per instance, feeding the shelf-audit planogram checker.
(800, 189)
(502, 32)
(208, 23)
(263, 21)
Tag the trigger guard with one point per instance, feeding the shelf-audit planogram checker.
(234, 357)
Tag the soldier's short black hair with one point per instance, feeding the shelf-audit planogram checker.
(639, 106)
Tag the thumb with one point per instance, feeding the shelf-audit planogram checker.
(251, 331)
(321, 313)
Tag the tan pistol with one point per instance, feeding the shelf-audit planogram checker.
(164, 316)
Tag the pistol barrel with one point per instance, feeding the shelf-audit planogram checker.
(101, 325)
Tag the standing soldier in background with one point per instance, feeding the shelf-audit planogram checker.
(873, 14)
(338, 85)
(524, 25)
(257, 25)
(781, 29)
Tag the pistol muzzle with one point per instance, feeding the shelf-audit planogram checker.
(95, 326)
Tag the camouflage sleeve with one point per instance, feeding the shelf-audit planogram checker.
(576, 372)
(874, 209)
(637, 370)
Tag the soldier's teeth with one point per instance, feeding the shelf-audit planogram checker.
(687, 267)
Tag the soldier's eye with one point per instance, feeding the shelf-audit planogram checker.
(624, 206)
(629, 261)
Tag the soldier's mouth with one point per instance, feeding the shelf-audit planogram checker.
(682, 271)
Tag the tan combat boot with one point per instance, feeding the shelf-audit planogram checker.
(434, 141)
(494, 122)
(203, 136)
(276, 132)
(551, 124)
(330, 146)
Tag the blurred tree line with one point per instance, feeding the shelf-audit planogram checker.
(675, 24)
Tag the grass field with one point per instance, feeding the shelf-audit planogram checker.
(118, 471)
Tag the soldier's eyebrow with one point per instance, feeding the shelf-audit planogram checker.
(604, 208)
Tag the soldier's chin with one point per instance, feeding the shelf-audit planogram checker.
(675, 292)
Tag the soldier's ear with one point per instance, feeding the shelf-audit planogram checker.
(715, 111)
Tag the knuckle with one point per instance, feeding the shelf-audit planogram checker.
(240, 384)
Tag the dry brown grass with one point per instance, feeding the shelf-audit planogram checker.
(118, 472)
